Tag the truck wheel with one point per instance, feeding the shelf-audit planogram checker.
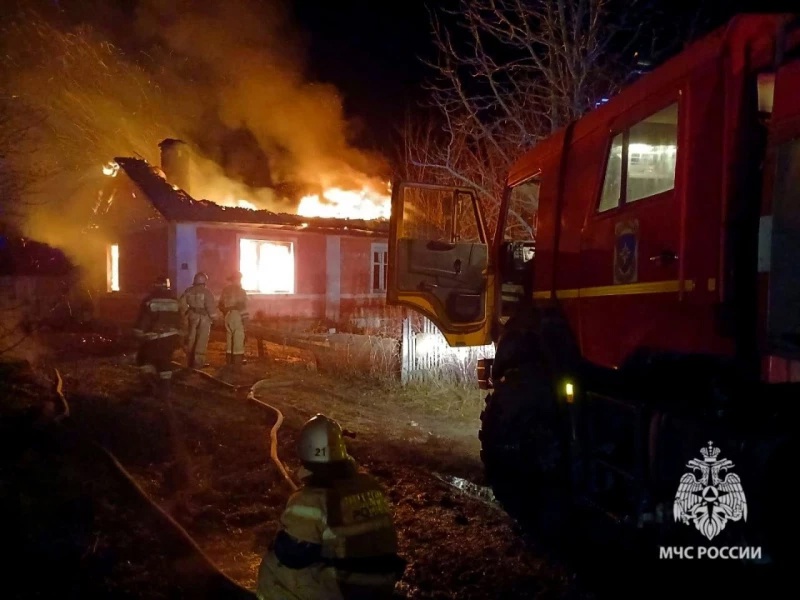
(521, 447)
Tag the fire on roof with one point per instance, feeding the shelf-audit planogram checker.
(175, 204)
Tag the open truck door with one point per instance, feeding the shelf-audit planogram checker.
(439, 260)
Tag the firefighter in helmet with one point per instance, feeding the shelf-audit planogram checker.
(197, 303)
(158, 328)
(336, 538)
(233, 305)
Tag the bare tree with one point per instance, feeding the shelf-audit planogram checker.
(510, 72)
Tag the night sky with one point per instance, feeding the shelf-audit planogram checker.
(371, 51)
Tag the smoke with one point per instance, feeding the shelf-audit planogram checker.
(210, 182)
(84, 83)
(250, 63)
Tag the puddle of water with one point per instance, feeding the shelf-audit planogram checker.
(479, 492)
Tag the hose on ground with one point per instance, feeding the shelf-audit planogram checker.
(177, 527)
(261, 384)
(273, 434)
(62, 397)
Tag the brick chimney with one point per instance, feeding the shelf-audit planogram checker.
(176, 162)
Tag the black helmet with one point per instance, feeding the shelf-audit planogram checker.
(200, 279)
(162, 281)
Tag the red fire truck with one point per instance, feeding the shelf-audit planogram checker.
(649, 328)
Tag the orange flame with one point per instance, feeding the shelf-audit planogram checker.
(368, 203)
(237, 203)
(346, 204)
(267, 267)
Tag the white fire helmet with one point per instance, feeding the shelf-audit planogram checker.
(321, 441)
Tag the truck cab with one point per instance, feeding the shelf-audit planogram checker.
(656, 297)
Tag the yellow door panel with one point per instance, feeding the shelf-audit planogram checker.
(439, 260)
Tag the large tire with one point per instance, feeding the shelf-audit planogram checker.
(522, 448)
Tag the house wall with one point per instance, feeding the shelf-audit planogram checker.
(333, 273)
(142, 258)
(360, 303)
(142, 235)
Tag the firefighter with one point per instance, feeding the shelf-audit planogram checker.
(336, 538)
(198, 306)
(158, 328)
(233, 305)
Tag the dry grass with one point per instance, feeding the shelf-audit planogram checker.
(445, 399)
(373, 361)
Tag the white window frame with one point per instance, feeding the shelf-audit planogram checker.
(383, 267)
(292, 242)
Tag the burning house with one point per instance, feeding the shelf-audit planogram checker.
(295, 268)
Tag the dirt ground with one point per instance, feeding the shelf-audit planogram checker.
(418, 443)
(74, 517)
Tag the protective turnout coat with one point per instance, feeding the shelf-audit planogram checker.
(233, 304)
(337, 541)
(158, 326)
(198, 303)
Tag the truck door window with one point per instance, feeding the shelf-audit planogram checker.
(648, 151)
(465, 221)
(652, 150)
(434, 215)
(523, 206)
(613, 180)
(429, 215)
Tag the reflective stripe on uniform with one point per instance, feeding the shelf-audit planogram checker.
(353, 529)
(148, 369)
(305, 512)
(163, 305)
(304, 518)
(165, 334)
(165, 375)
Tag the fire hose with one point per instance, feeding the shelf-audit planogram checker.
(236, 588)
(261, 384)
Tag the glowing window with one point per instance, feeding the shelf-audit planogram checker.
(112, 268)
(380, 266)
(648, 151)
(267, 267)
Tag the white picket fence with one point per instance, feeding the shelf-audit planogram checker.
(426, 355)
